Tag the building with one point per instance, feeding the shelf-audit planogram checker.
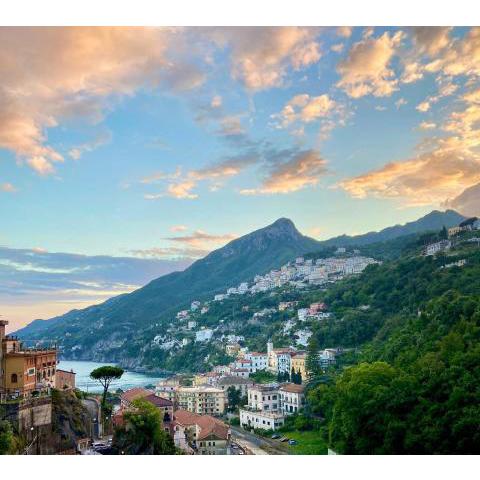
(200, 434)
(126, 403)
(203, 335)
(64, 379)
(264, 408)
(24, 370)
(127, 398)
(203, 400)
(437, 247)
(264, 397)
(209, 378)
(292, 398)
(279, 360)
(239, 383)
(297, 365)
(232, 349)
(260, 420)
(240, 372)
(259, 360)
(167, 388)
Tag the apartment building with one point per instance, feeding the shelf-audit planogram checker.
(292, 398)
(203, 400)
(200, 434)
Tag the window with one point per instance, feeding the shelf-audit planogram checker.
(14, 378)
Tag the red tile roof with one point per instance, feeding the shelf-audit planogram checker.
(158, 401)
(292, 388)
(134, 393)
(209, 426)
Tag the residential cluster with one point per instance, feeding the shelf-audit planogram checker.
(305, 272)
(27, 376)
(468, 225)
(191, 412)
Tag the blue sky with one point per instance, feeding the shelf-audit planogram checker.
(162, 144)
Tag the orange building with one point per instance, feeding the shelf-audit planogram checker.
(24, 370)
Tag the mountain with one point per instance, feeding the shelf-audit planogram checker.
(433, 221)
(238, 261)
(121, 328)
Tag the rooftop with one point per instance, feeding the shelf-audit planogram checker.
(134, 394)
(208, 425)
(292, 388)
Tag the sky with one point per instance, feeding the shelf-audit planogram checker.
(127, 153)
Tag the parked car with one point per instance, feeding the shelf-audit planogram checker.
(284, 439)
(275, 436)
(292, 442)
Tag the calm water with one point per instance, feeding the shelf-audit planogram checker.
(84, 382)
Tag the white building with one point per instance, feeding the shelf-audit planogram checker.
(303, 337)
(259, 361)
(264, 397)
(292, 398)
(261, 420)
(243, 288)
(434, 248)
(302, 314)
(195, 305)
(219, 297)
(203, 335)
(191, 324)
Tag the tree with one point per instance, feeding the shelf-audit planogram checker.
(312, 364)
(142, 432)
(6, 438)
(235, 398)
(105, 375)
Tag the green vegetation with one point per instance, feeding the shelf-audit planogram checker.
(235, 399)
(308, 443)
(142, 432)
(7, 441)
(105, 376)
(415, 385)
(262, 376)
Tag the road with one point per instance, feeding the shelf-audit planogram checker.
(256, 444)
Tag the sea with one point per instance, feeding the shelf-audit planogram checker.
(84, 382)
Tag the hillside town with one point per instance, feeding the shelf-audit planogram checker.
(297, 276)
(192, 413)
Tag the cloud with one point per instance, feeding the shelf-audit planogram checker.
(448, 165)
(100, 139)
(468, 202)
(460, 56)
(431, 40)
(344, 32)
(35, 283)
(412, 72)
(55, 75)
(400, 102)
(337, 48)
(445, 89)
(200, 238)
(261, 56)
(181, 185)
(427, 126)
(171, 253)
(428, 179)
(303, 109)
(7, 187)
(195, 245)
(289, 171)
(366, 70)
(306, 109)
(178, 228)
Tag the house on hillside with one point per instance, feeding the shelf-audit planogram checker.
(200, 434)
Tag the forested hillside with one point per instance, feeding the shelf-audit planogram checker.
(413, 385)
